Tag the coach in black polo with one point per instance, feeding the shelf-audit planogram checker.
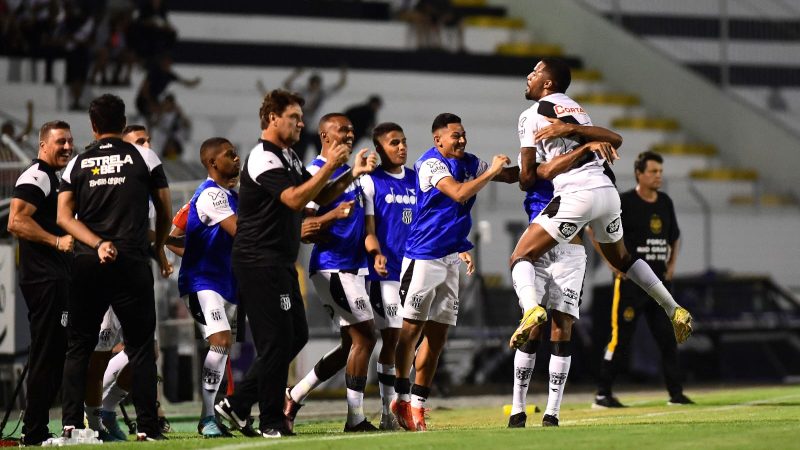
(275, 187)
(108, 187)
(44, 266)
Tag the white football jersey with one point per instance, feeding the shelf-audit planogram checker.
(588, 173)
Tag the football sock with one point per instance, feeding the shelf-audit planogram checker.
(355, 399)
(301, 390)
(641, 274)
(523, 275)
(419, 395)
(112, 396)
(213, 368)
(114, 367)
(402, 387)
(524, 362)
(560, 360)
(386, 377)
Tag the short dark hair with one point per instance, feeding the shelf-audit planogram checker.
(107, 114)
(276, 101)
(641, 160)
(327, 117)
(133, 129)
(559, 72)
(444, 119)
(208, 147)
(52, 125)
(383, 129)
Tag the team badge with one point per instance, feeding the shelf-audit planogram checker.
(628, 314)
(391, 310)
(567, 229)
(558, 378)
(416, 301)
(407, 215)
(286, 302)
(656, 225)
(523, 373)
(455, 305)
(211, 376)
(360, 304)
(216, 314)
(64, 318)
(613, 227)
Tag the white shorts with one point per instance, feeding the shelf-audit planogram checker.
(110, 332)
(568, 213)
(385, 299)
(559, 278)
(429, 289)
(344, 296)
(211, 312)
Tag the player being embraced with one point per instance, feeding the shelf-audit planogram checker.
(390, 197)
(448, 178)
(584, 193)
(205, 280)
(559, 273)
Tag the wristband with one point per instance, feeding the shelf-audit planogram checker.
(57, 237)
(99, 243)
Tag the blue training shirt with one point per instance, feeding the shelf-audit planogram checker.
(206, 263)
(391, 199)
(537, 197)
(441, 226)
(345, 248)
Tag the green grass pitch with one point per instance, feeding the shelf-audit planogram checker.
(746, 418)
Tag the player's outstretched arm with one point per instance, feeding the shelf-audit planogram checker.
(507, 175)
(588, 132)
(461, 192)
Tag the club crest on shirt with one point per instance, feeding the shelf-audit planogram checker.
(407, 215)
(656, 225)
(286, 302)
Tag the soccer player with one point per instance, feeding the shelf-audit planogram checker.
(103, 203)
(584, 194)
(652, 234)
(390, 198)
(44, 270)
(338, 266)
(448, 179)
(559, 277)
(205, 280)
(275, 188)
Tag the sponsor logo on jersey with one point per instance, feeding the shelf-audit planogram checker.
(286, 302)
(437, 167)
(613, 227)
(656, 225)
(219, 199)
(407, 215)
(102, 165)
(568, 110)
(409, 198)
(567, 229)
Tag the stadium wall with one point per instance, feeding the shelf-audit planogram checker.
(704, 110)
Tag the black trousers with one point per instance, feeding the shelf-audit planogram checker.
(127, 286)
(46, 302)
(630, 302)
(270, 296)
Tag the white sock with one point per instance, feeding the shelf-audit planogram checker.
(523, 369)
(559, 369)
(641, 274)
(386, 377)
(418, 401)
(523, 275)
(93, 417)
(213, 369)
(355, 407)
(301, 390)
(112, 396)
(114, 367)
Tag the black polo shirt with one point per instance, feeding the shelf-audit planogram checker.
(268, 231)
(38, 185)
(112, 182)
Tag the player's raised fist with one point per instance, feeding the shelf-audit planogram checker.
(365, 162)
